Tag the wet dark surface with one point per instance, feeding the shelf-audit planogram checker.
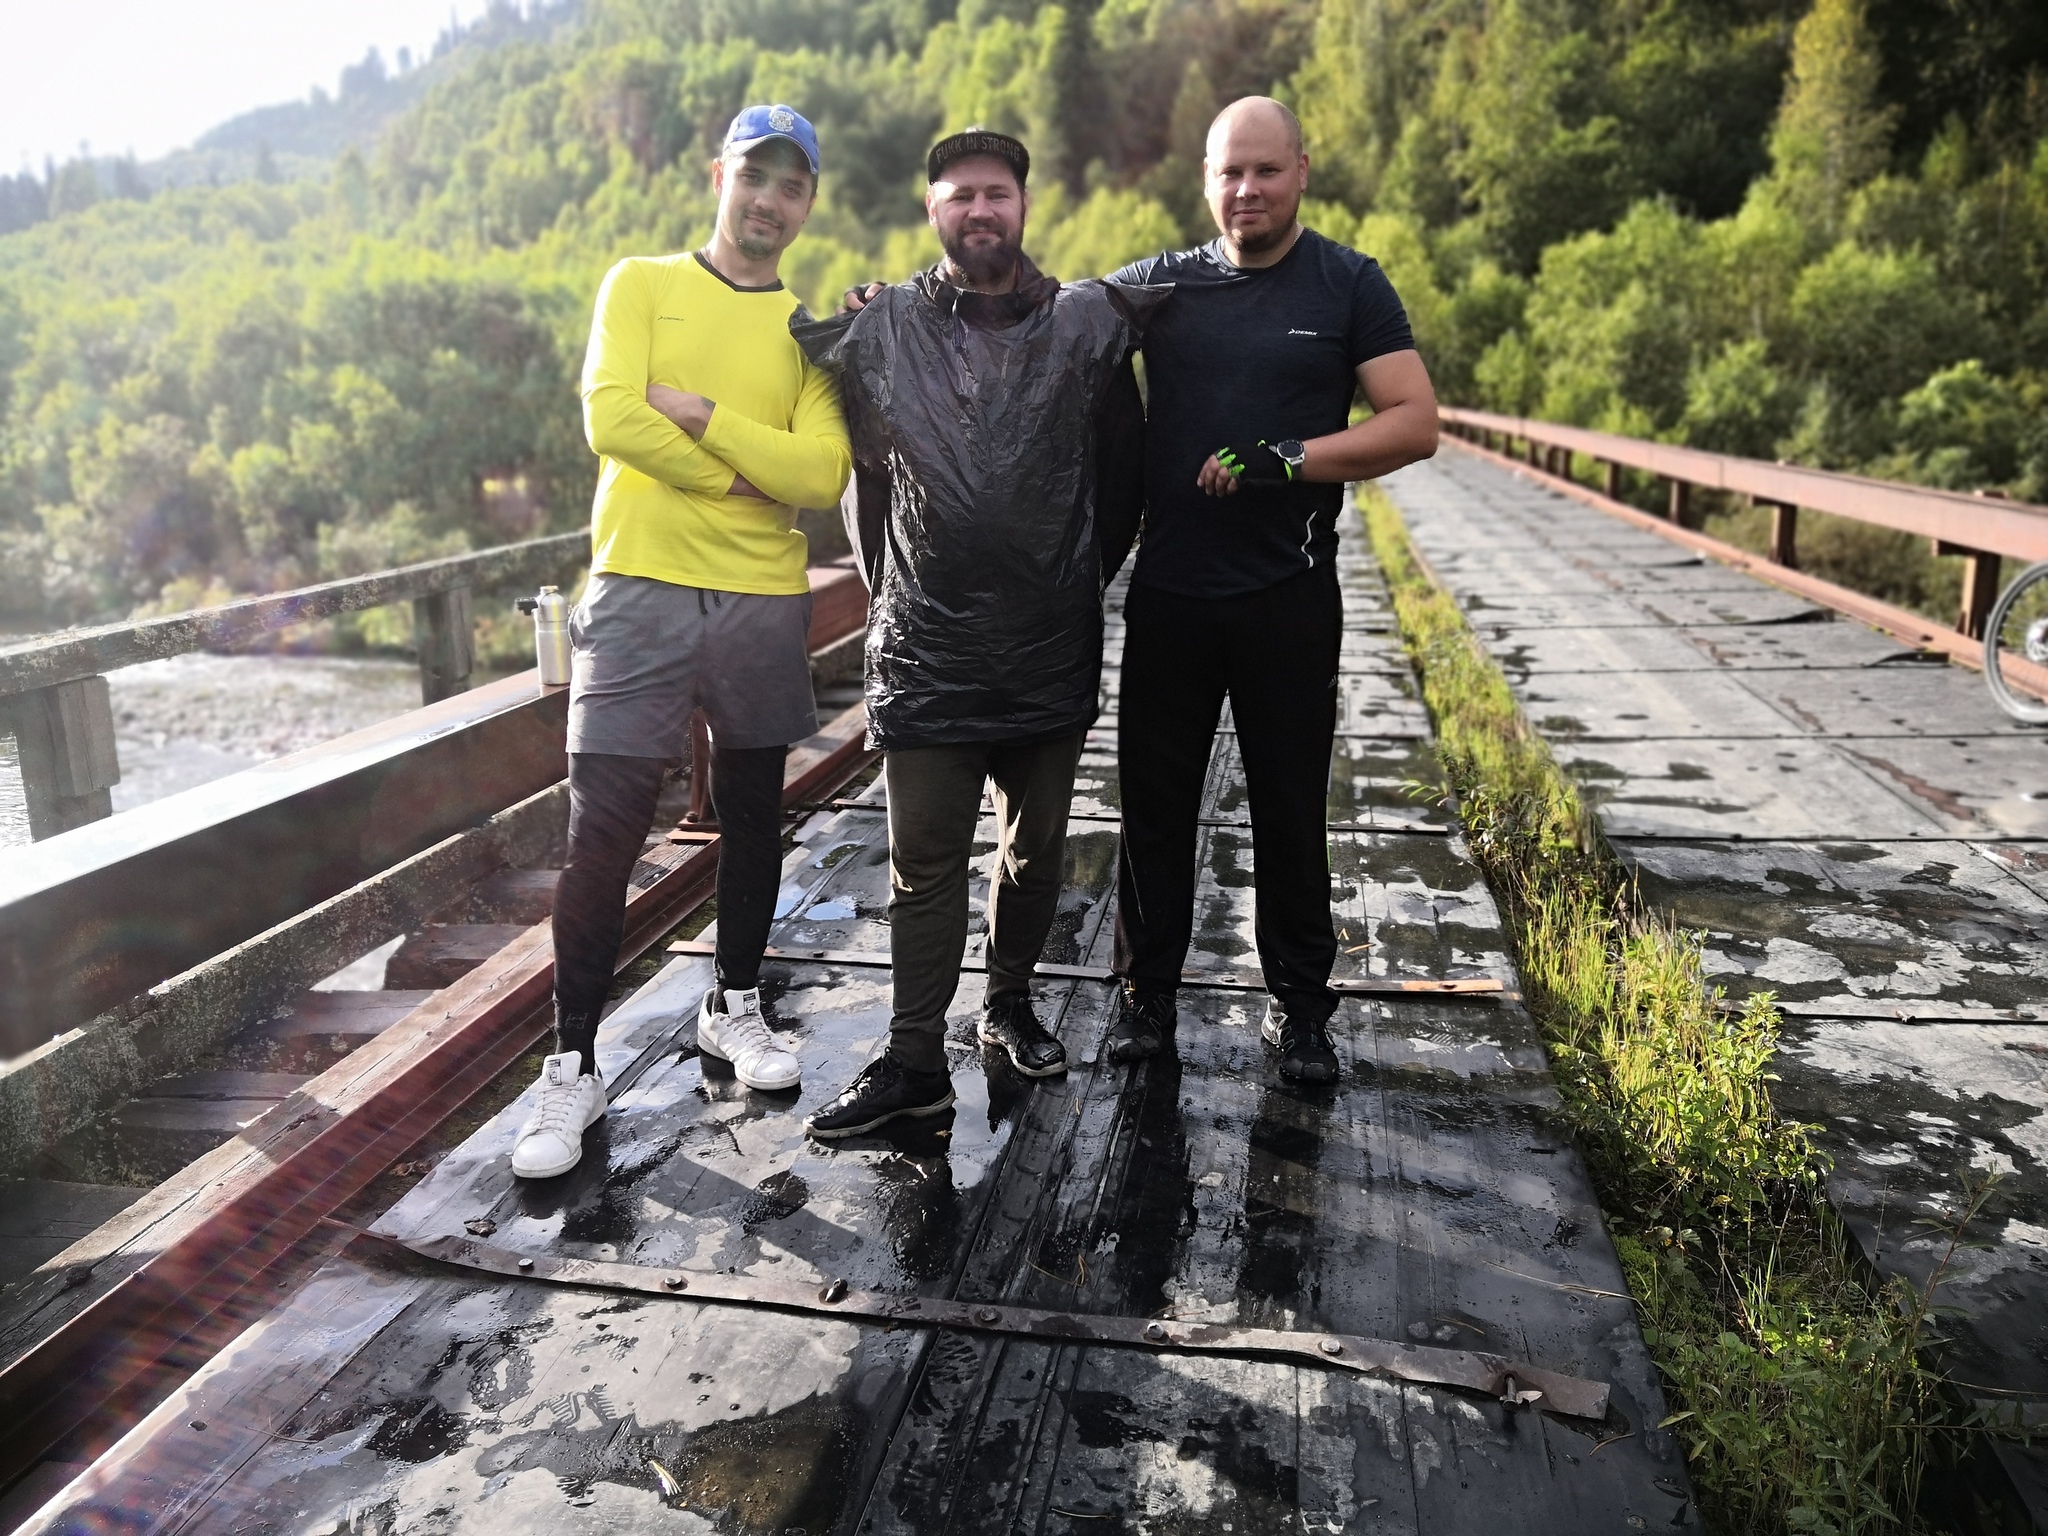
(1427, 1195)
(1849, 829)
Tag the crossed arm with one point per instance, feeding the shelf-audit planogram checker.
(692, 414)
(683, 439)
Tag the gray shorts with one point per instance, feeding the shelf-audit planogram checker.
(649, 653)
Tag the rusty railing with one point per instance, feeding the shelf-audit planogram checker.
(1984, 530)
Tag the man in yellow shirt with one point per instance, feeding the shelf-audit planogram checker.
(713, 428)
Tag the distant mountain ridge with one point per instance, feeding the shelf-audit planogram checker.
(290, 140)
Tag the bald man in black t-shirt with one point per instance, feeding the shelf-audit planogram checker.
(1251, 372)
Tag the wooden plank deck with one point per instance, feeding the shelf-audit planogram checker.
(1852, 829)
(1428, 1196)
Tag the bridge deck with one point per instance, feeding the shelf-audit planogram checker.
(1856, 830)
(1429, 1196)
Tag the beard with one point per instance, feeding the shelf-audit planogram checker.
(984, 264)
(752, 242)
(1281, 222)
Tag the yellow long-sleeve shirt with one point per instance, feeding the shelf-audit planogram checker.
(663, 506)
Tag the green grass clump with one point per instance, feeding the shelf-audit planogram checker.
(1794, 1377)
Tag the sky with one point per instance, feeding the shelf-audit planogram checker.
(150, 76)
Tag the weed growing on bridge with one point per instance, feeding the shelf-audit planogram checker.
(1796, 1384)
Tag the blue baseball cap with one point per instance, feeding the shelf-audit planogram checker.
(756, 125)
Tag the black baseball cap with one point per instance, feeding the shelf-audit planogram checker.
(977, 141)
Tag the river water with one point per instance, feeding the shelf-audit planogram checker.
(188, 720)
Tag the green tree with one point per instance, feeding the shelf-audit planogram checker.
(1832, 133)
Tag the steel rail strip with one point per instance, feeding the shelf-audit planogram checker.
(1099, 818)
(287, 1172)
(1511, 1381)
(1914, 629)
(1489, 987)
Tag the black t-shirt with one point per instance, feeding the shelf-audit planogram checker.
(1240, 354)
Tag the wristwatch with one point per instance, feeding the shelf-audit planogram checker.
(1292, 453)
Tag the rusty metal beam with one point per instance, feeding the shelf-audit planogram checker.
(2010, 528)
(1901, 624)
(1514, 1382)
(193, 1252)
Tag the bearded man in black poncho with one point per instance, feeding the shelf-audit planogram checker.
(998, 445)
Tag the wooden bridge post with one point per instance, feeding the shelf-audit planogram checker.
(65, 738)
(1981, 570)
(1784, 533)
(446, 643)
(1611, 479)
(1680, 501)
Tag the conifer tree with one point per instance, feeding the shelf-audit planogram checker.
(1832, 134)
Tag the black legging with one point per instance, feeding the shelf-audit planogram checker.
(611, 807)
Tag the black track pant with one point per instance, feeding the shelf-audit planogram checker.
(1274, 653)
(611, 807)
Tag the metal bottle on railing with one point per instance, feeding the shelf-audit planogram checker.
(550, 612)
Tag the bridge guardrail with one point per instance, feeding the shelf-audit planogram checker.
(53, 689)
(1984, 530)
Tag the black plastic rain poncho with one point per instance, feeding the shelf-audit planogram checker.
(998, 446)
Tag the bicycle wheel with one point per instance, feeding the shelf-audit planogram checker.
(2018, 628)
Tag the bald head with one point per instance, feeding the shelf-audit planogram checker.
(1254, 175)
(1257, 114)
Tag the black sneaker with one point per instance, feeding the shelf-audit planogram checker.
(1143, 1024)
(1306, 1054)
(1010, 1023)
(884, 1091)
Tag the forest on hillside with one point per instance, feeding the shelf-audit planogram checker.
(1811, 231)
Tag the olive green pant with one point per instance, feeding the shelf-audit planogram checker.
(934, 805)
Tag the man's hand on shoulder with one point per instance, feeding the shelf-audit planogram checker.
(857, 297)
(690, 412)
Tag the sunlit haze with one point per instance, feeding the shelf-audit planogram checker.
(149, 76)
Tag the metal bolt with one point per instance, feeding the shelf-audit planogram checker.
(199, 1423)
(987, 1315)
(526, 1263)
(833, 1290)
(675, 1282)
(1331, 1347)
(1155, 1331)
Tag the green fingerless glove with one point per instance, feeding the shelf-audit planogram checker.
(1259, 465)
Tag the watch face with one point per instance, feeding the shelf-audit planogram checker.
(1291, 450)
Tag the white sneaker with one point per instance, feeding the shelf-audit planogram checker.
(741, 1036)
(1274, 1029)
(551, 1141)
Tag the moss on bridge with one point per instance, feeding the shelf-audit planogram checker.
(1796, 1378)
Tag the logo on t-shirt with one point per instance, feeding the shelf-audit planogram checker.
(1304, 333)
